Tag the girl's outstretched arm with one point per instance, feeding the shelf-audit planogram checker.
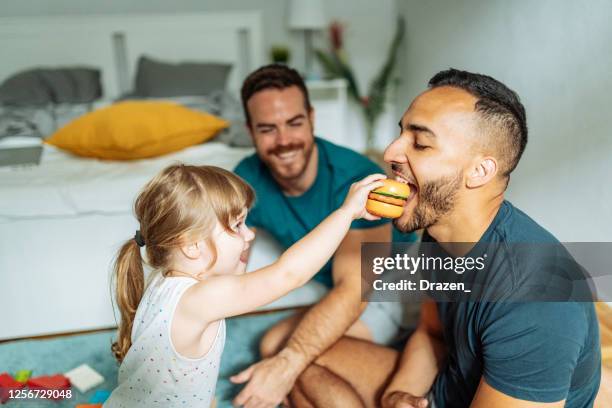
(231, 295)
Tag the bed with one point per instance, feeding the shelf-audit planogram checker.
(62, 221)
(61, 224)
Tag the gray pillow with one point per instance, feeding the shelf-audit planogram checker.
(231, 110)
(41, 86)
(162, 79)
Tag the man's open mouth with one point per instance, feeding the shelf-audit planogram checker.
(287, 155)
(413, 187)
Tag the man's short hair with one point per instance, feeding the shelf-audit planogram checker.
(503, 118)
(273, 76)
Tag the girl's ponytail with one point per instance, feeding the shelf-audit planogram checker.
(129, 278)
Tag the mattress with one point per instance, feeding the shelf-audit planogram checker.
(61, 225)
(66, 185)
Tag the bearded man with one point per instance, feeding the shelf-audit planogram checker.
(459, 142)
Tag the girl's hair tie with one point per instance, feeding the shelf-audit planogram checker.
(139, 239)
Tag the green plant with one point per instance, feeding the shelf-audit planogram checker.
(335, 63)
(280, 54)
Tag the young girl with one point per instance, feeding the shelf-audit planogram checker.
(192, 226)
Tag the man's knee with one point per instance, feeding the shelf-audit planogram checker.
(319, 387)
(297, 398)
(308, 377)
(344, 346)
(276, 337)
(270, 343)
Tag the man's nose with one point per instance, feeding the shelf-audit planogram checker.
(282, 137)
(395, 152)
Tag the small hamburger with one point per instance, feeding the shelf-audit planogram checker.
(388, 200)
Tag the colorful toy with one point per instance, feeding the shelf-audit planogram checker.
(8, 383)
(84, 377)
(23, 376)
(99, 397)
(49, 382)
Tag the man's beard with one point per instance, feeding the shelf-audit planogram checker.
(305, 153)
(436, 199)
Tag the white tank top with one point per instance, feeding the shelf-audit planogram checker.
(153, 374)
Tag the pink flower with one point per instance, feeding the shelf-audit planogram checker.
(335, 32)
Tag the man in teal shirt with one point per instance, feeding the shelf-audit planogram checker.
(299, 179)
(522, 342)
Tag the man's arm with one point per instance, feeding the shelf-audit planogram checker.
(420, 362)
(329, 319)
(320, 327)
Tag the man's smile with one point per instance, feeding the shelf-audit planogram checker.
(288, 155)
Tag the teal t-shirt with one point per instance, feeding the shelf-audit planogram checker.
(531, 350)
(289, 219)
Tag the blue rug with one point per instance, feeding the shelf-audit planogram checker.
(58, 355)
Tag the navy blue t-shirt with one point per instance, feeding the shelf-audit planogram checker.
(290, 218)
(530, 350)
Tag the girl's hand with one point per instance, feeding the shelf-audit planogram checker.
(358, 195)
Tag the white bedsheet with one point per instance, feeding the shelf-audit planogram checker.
(66, 185)
(61, 224)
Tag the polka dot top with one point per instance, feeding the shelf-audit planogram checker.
(153, 373)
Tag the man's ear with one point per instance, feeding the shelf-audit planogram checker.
(192, 250)
(484, 170)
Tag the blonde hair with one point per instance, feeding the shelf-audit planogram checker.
(179, 204)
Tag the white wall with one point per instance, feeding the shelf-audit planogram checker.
(558, 56)
(369, 30)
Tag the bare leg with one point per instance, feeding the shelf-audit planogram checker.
(275, 338)
(319, 387)
(604, 396)
(297, 399)
(362, 366)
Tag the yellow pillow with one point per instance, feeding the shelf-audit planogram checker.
(136, 130)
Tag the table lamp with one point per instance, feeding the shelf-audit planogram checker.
(306, 15)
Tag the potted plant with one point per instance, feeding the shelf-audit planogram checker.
(280, 54)
(335, 64)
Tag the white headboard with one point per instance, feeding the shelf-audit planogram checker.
(114, 43)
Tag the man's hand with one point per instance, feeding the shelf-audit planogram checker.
(399, 399)
(270, 381)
